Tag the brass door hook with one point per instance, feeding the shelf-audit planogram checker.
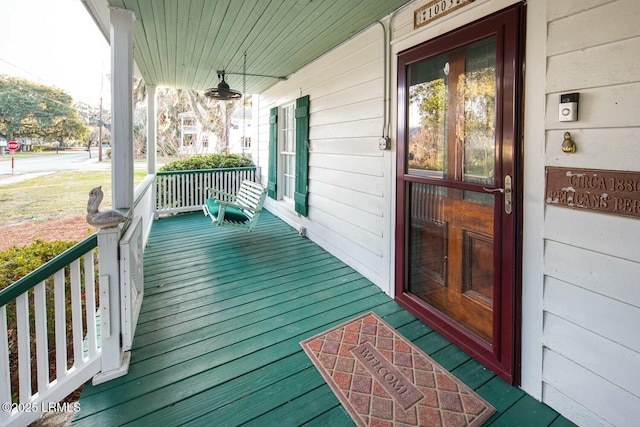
(568, 145)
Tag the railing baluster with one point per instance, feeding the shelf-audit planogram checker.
(42, 345)
(5, 377)
(60, 325)
(183, 194)
(90, 304)
(186, 191)
(24, 346)
(76, 312)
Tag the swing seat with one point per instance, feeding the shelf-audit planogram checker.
(239, 210)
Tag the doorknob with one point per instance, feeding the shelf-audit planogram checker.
(506, 191)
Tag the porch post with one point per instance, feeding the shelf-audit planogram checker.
(122, 107)
(152, 143)
(115, 362)
(151, 129)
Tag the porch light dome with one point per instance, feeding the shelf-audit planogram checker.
(222, 92)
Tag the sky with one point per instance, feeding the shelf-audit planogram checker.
(56, 43)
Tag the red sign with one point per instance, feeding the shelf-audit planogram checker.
(13, 145)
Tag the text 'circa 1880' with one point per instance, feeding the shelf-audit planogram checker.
(613, 192)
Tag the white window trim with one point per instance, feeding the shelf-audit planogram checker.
(282, 155)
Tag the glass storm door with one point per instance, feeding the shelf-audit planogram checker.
(456, 185)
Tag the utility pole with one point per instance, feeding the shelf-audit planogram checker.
(100, 133)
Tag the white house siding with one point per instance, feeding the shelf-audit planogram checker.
(591, 308)
(349, 177)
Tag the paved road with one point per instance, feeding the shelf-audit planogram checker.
(41, 165)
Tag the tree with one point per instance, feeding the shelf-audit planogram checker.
(212, 116)
(29, 109)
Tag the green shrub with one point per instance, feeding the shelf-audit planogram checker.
(209, 161)
(17, 262)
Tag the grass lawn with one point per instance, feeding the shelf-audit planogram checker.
(56, 195)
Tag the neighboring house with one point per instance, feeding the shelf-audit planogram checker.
(241, 131)
(483, 222)
(193, 140)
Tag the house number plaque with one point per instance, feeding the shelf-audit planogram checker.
(612, 192)
(436, 9)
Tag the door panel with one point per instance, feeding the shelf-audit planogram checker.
(456, 113)
(451, 261)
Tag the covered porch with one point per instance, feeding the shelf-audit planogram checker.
(218, 335)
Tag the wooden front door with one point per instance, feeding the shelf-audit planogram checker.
(457, 187)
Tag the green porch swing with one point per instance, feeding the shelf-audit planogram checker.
(240, 210)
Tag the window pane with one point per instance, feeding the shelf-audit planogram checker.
(479, 83)
(288, 151)
(428, 109)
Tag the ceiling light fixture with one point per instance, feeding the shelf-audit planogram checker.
(222, 92)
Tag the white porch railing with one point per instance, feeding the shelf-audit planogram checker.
(46, 366)
(70, 280)
(39, 369)
(186, 191)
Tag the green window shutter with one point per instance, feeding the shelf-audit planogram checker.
(302, 155)
(273, 153)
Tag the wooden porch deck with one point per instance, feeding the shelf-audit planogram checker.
(217, 342)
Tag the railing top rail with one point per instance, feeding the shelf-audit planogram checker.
(29, 281)
(196, 171)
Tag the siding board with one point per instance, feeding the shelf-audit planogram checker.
(351, 112)
(603, 357)
(353, 146)
(363, 91)
(614, 149)
(580, 415)
(349, 197)
(348, 179)
(365, 240)
(625, 13)
(590, 390)
(371, 223)
(364, 165)
(602, 65)
(361, 128)
(561, 9)
(608, 234)
(593, 312)
(594, 271)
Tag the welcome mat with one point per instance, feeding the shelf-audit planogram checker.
(381, 378)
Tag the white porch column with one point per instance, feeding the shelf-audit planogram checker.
(152, 128)
(122, 107)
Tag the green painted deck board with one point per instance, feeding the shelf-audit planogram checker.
(334, 417)
(450, 357)
(299, 410)
(218, 336)
(526, 412)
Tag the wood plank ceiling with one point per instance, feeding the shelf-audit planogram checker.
(182, 43)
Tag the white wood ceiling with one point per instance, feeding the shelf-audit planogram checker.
(182, 43)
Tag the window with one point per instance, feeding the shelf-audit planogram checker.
(289, 153)
(287, 142)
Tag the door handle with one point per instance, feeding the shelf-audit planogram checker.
(506, 191)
